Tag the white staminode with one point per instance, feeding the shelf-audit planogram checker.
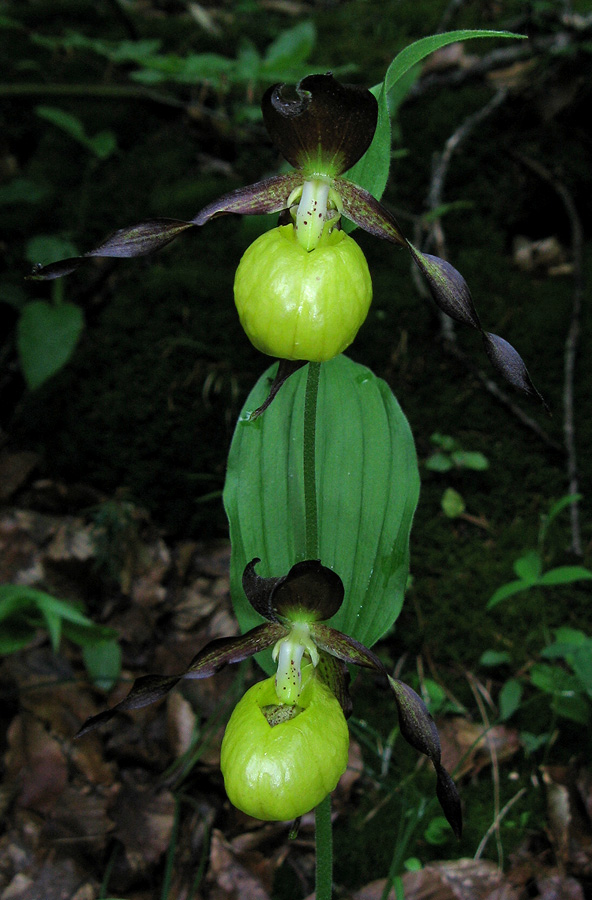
(289, 652)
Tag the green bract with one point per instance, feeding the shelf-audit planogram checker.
(301, 305)
(281, 771)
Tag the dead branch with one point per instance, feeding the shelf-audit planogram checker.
(571, 341)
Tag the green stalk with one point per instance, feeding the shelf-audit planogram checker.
(309, 461)
(323, 832)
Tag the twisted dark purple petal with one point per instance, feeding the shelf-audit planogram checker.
(137, 240)
(364, 210)
(268, 196)
(222, 652)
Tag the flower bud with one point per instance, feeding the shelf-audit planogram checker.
(280, 761)
(298, 304)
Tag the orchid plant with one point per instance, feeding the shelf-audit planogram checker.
(291, 302)
(302, 291)
(285, 746)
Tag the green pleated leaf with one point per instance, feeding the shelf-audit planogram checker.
(367, 488)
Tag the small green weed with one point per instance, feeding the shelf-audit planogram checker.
(24, 610)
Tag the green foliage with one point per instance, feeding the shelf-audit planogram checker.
(367, 485)
(529, 567)
(284, 59)
(24, 610)
(452, 503)
(102, 145)
(47, 333)
(563, 673)
(46, 338)
(371, 172)
(451, 456)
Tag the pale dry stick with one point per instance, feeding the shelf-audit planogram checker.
(500, 58)
(439, 175)
(494, 827)
(449, 14)
(476, 690)
(571, 341)
(436, 191)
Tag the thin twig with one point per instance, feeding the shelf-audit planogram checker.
(436, 234)
(449, 14)
(500, 58)
(494, 827)
(571, 341)
(476, 690)
(438, 181)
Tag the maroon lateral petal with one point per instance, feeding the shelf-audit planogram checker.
(324, 127)
(508, 362)
(334, 673)
(222, 652)
(268, 196)
(286, 368)
(345, 647)
(365, 211)
(226, 651)
(136, 240)
(419, 729)
(451, 294)
(447, 287)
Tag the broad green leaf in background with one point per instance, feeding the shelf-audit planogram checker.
(371, 172)
(46, 338)
(529, 567)
(102, 660)
(367, 488)
(438, 462)
(47, 248)
(495, 658)
(507, 590)
(565, 575)
(22, 190)
(470, 459)
(292, 46)
(452, 503)
(101, 145)
(509, 698)
(554, 511)
(24, 610)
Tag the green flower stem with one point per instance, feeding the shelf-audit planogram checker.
(324, 841)
(323, 832)
(309, 461)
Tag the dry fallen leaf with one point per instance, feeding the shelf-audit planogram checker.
(37, 762)
(462, 879)
(143, 817)
(467, 746)
(229, 876)
(569, 825)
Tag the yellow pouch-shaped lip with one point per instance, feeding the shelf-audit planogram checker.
(301, 305)
(282, 771)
